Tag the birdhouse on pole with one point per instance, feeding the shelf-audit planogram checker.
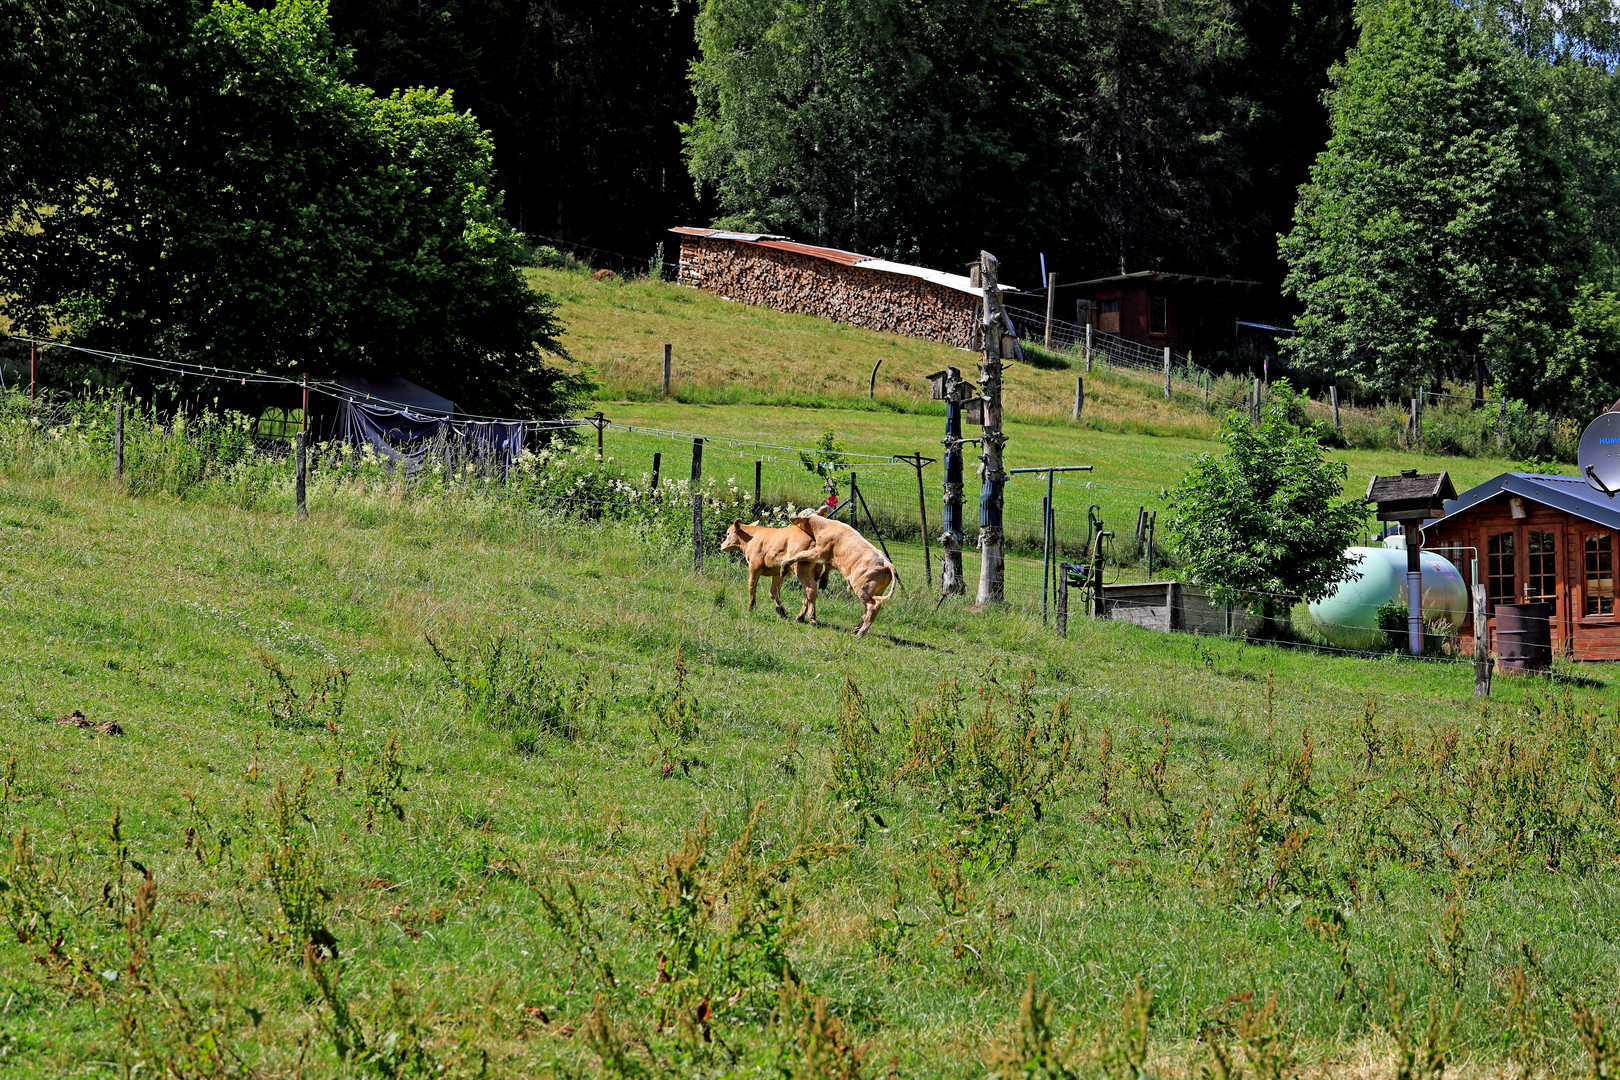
(1411, 499)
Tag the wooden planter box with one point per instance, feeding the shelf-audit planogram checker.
(1175, 605)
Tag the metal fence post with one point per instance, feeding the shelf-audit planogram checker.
(697, 505)
(118, 442)
(299, 476)
(854, 522)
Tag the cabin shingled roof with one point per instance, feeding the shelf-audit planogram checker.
(1570, 494)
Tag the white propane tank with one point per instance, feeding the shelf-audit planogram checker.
(1349, 617)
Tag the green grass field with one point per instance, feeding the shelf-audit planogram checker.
(347, 831)
(446, 782)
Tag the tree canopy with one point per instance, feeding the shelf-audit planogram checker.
(227, 196)
(1268, 516)
(1459, 209)
(1113, 134)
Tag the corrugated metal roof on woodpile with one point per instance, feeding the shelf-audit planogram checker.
(780, 243)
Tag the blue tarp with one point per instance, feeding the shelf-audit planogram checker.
(405, 423)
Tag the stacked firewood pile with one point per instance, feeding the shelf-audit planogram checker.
(788, 281)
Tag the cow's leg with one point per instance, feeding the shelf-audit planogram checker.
(807, 579)
(754, 570)
(776, 593)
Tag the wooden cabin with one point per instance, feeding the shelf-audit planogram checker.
(1540, 539)
(1188, 312)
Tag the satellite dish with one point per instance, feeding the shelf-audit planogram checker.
(1600, 453)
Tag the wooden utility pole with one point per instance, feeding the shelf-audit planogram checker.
(992, 557)
(1333, 396)
(950, 537)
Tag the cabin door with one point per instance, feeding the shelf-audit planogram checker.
(1521, 567)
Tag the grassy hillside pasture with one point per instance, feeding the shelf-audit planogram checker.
(727, 352)
(653, 833)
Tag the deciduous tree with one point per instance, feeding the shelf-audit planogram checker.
(230, 197)
(1267, 517)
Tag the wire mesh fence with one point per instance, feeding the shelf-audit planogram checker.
(641, 475)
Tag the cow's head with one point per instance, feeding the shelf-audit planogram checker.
(736, 537)
(805, 518)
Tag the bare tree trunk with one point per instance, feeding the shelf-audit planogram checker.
(992, 564)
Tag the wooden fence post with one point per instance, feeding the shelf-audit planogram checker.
(1254, 402)
(1167, 373)
(1333, 397)
(1501, 426)
(1088, 348)
(854, 523)
(1207, 376)
(1416, 421)
(1482, 656)
(667, 349)
(1079, 395)
(697, 505)
(658, 461)
(758, 465)
(298, 477)
(1051, 293)
(1061, 617)
(118, 442)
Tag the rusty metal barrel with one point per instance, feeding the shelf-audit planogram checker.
(1523, 637)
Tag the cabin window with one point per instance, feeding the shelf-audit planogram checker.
(1158, 316)
(1108, 316)
(1499, 569)
(1600, 574)
(1543, 568)
(1457, 556)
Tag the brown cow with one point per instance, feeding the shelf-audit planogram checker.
(865, 569)
(767, 549)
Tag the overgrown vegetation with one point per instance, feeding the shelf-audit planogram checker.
(409, 789)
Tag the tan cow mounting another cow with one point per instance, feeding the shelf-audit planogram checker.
(767, 551)
(865, 569)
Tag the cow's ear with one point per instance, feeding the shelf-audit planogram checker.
(736, 522)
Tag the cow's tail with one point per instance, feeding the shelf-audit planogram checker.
(894, 583)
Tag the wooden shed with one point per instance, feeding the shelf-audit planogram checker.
(1539, 539)
(1187, 312)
